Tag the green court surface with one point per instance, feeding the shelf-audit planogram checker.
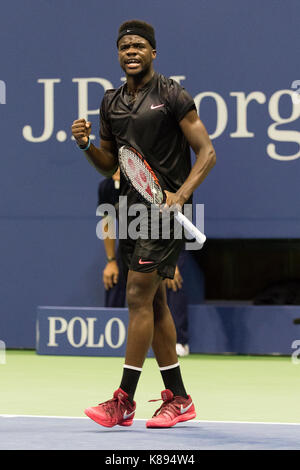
(223, 388)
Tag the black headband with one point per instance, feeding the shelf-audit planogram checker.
(139, 32)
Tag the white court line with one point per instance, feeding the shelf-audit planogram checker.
(139, 419)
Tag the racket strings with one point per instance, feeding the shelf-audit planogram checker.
(140, 176)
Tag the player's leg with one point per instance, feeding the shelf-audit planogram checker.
(164, 344)
(164, 341)
(177, 405)
(164, 338)
(141, 288)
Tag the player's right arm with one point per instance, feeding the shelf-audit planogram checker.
(105, 158)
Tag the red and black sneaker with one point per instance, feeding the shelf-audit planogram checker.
(119, 410)
(173, 410)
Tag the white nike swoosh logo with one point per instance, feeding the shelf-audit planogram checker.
(184, 410)
(126, 416)
(158, 106)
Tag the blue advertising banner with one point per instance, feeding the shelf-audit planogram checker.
(213, 329)
(244, 329)
(82, 331)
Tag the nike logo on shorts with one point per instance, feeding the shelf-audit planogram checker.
(184, 410)
(157, 106)
(145, 262)
(127, 416)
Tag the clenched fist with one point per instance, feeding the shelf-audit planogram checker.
(81, 130)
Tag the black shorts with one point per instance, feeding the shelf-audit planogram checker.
(147, 255)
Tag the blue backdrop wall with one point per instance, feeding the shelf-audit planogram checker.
(238, 59)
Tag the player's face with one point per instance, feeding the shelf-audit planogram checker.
(135, 54)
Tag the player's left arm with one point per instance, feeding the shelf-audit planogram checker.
(198, 138)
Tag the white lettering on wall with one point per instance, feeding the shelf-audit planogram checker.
(282, 135)
(85, 332)
(243, 101)
(48, 112)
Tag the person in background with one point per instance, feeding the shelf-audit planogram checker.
(113, 276)
(177, 301)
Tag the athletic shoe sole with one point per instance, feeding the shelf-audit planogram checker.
(91, 414)
(153, 423)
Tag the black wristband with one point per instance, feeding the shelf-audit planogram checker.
(111, 258)
(85, 147)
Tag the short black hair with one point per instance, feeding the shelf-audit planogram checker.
(141, 28)
(137, 24)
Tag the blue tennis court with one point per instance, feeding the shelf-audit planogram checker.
(65, 433)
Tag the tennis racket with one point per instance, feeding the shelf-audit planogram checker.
(142, 178)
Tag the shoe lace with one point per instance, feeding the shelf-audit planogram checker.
(110, 405)
(168, 406)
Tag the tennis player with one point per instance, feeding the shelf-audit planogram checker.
(158, 118)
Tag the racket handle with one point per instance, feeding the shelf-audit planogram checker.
(187, 224)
